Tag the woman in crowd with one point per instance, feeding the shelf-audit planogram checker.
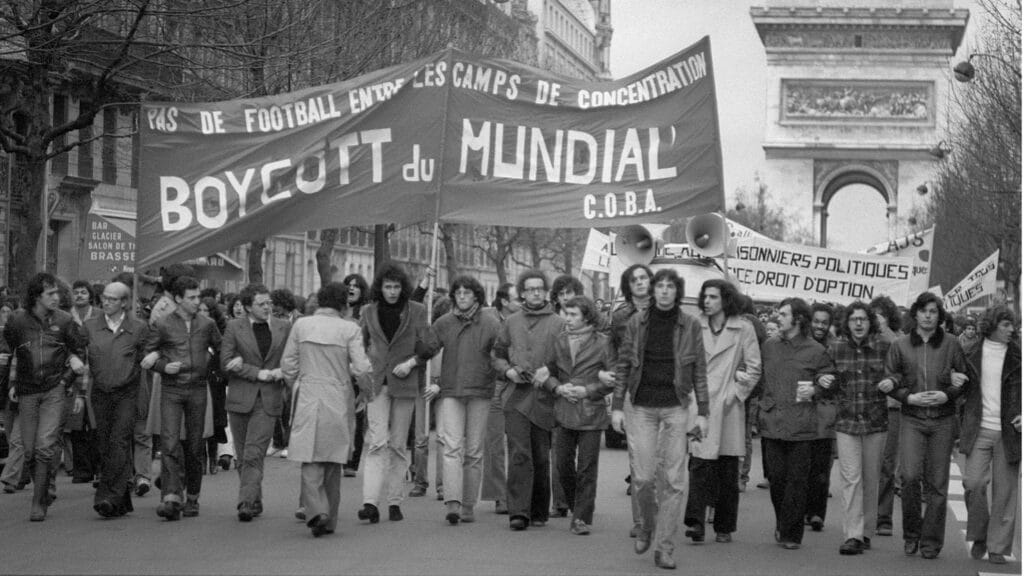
(990, 436)
(356, 296)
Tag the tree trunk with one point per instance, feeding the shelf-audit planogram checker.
(381, 246)
(30, 177)
(323, 255)
(256, 248)
(567, 249)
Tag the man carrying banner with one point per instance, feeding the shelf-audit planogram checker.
(928, 371)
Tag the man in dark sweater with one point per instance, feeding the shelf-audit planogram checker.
(660, 362)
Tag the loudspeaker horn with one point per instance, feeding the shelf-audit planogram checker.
(707, 235)
(638, 244)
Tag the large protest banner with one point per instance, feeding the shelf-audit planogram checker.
(771, 271)
(980, 282)
(457, 137)
(918, 247)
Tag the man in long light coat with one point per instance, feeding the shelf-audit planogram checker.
(323, 353)
(734, 367)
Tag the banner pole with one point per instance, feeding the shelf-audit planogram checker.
(432, 282)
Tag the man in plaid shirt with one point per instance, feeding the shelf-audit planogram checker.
(861, 422)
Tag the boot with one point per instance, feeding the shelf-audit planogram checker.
(40, 492)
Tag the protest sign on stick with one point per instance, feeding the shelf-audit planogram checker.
(980, 282)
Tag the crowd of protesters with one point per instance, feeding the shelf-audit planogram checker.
(195, 381)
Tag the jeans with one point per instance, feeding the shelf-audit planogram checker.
(421, 450)
(15, 463)
(252, 432)
(860, 460)
(462, 424)
(926, 445)
(177, 402)
(889, 473)
(529, 488)
(41, 415)
(820, 473)
(320, 491)
(558, 500)
(786, 463)
(142, 441)
(115, 420)
(576, 456)
(658, 456)
(714, 483)
(358, 439)
(989, 456)
(387, 456)
(493, 487)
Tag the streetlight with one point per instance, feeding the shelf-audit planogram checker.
(964, 71)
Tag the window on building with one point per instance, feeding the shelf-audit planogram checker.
(85, 150)
(109, 158)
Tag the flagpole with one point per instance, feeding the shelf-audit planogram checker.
(432, 280)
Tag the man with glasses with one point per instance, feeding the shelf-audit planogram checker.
(251, 357)
(861, 425)
(522, 353)
(116, 340)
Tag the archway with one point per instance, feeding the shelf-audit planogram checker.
(857, 182)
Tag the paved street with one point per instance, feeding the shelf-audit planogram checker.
(75, 540)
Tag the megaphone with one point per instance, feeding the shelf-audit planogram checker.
(708, 235)
(638, 244)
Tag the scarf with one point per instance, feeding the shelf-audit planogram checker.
(576, 338)
(468, 314)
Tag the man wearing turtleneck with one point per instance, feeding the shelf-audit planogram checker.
(660, 362)
(251, 357)
(392, 326)
(990, 436)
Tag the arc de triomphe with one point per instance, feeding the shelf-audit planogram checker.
(857, 94)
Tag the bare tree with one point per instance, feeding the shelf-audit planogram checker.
(977, 202)
(497, 244)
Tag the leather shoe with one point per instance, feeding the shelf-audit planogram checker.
(996, 558)
(369, 512)
(851, 547)
(257, 508)
(245, 512)
(169, 510)
(318, 525)
(142, 487)
(395, 513)
(910, 547)
(642, 542)
(866, 543)
(929, 554)
(559, 512)
(695, 533)
(418, 491)
(664, 560)
(790, 545)
(723, 537)
(517, 524)
(978, 549)
(816, 523)
(104, 508)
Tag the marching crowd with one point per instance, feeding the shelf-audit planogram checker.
(200, 381)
